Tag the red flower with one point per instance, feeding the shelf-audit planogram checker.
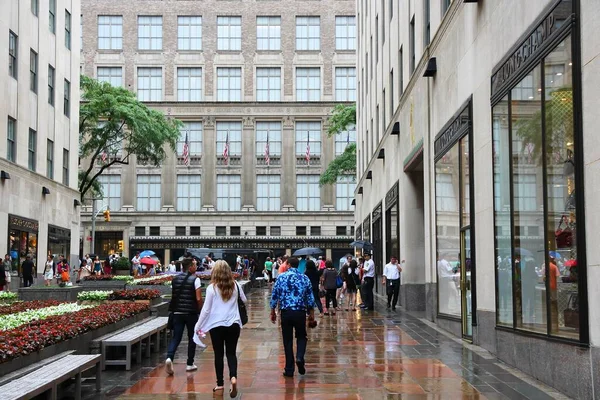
(27, 305)
(137, 294)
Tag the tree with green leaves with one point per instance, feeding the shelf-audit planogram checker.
(113, 127)
(343, 116)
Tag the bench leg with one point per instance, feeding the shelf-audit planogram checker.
(54, 392)
(139, 352)
(98, 377)
(128, 357)
(166, 338)
(148, 346)
(157, 341)
(78, 386)
(103, 358)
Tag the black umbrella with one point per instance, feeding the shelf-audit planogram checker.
(362, 244)
(307, 251)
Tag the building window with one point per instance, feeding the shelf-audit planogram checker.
(229, 132)
(31, 150)
(65, 167)
(275, 231)
(308, 84)
(229, 33)
(111, 190)
(229, 84)
(271, 132)
(140, 231)
(148, 192)
(344, 138)
(67, 99)
(341, 230)
(412, 46)
(308, 33)
(221, 231)
(301, 231)
(308, 193)
(51, 77)
(149, 84)
(445, 5)
(35, 7)
(189, 191)
(345, 84)
(268, 84)
(155, 231)
(401, 69)
(268, 33)
(446, 191)
(11, 140)
(189, 84)
(13, 66)
(194, 231)
(344, 192)
(315, 231)
(235, 231)
(112, 75)
(308, 139)
(261, 231)
(193, 130)
(345, 33)
(50, 159)
(229, 192)
(33, 69)
(52, 16)
(110, 32)
(525, 189)
(67, 30)
(180, 231)
(150, 33)
(427, 32)
(189, 33)
(268, 193)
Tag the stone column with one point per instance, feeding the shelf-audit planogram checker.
(209, 163)
(288, 165)
(129, 183)
(168, 179)
(248, 165)
(327, 155)
(167, 259)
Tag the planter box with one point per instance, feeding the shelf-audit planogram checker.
(52, 293)
(80, 344)
(122, 272)
(103, 285)
(164, 289)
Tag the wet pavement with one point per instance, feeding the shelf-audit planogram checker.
(355, 355)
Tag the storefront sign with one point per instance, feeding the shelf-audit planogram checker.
(22, 224)
(56, 233)
(454, 130)
(391, 198)
(377, 212)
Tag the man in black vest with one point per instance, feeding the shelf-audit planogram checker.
(186, 303)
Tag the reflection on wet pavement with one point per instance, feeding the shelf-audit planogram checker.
(354, 355)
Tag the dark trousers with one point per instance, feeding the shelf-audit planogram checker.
(318, 299)
(330, 297)
(393, 290)
(224, 341)
(181, 321)
(290, 321)
(368, 292)
(27, 280)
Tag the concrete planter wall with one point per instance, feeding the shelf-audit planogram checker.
(54, 293)
(104, 285)
(80, 344)
(163, 289)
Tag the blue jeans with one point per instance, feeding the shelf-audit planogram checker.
(181, 321)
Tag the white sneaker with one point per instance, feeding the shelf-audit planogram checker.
(169, 366)
(190, 368)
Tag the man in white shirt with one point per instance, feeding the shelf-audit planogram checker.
(135, 263)
(391, 281)
(368, 282)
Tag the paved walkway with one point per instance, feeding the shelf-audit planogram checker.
(360, 355)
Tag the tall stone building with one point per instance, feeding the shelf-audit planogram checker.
(39, 112)
(242, 76)
(472, 120)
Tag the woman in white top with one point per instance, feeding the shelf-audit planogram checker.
(49, 270)
(220, 316)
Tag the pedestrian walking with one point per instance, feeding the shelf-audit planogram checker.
(220, 317)
(97, 266)
(269, 269)
(368, 282)
(329, 280)
(135, 264)
(185, 306)
(293, 293)
(315, 279)
(351, 283)
(391, 281)
(2, 277)
(7, 268)
(27, 269)
(49, 270)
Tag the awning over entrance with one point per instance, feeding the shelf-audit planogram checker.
(239, 242)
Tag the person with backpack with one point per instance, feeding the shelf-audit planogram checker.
(329, 282)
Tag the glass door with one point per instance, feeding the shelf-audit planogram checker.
(465, 282)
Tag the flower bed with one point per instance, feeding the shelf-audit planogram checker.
(27, 305)
(16, 320)
(153, 280)
(126, 278)
(6, 297)
(136, 294)
(36, 335)
(94, 295)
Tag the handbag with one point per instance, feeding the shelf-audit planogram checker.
(242, 308)
(339, 282)
(564, 236)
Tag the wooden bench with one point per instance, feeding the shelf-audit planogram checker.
(48, 377)
(135, 336)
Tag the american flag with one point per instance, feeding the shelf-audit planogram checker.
(307, 157)
(186, 151)
(226, 150)
(104, 155)
(268, 152)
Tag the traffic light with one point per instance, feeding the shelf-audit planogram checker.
(107, 215)
(120, 245)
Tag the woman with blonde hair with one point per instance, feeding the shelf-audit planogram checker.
(220, 317)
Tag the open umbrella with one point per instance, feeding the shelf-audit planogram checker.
(307, 251)
(362, 244)
(148, 261)
(147, 253)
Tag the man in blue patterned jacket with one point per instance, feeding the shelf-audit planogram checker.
(293, 292)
